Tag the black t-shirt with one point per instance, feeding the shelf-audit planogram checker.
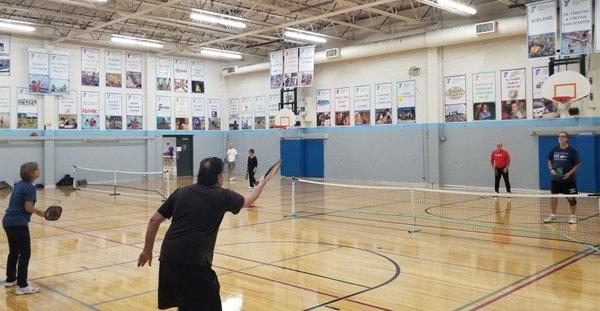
(252, 163)
(197, 212)
(563, 160)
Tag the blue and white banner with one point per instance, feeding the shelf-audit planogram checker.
(575, 27)
(541, 29)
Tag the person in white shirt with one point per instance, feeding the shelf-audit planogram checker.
(231, 157)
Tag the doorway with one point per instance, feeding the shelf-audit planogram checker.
(178, 155)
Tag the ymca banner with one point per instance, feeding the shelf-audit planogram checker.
(541, 29)
(575, 27)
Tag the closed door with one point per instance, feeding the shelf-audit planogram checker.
(185, 156)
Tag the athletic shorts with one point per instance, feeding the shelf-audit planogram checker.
(188, 287)
(563, 187)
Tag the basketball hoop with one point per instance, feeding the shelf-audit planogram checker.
(563, 105)
(284, 119)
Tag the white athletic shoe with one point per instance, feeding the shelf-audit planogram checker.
(26, 290)
(8, 284)
(550, 218)
(573, 219)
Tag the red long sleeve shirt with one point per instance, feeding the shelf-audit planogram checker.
(500, 159)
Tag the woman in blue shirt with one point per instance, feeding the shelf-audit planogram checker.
(16, 226)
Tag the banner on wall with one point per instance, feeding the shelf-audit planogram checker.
(276, 70)
(163, 112)
(405, 101)
(90, 66)
(114, 111)
(306, 66)
(512, 86)
(4, 107)
(59, 73)
(198, 114)
(234, 111)
(597, 29)
(133, 70)
(323, 107)
(541, 29)
(39, 71)
(383, 103)
(260, 111)
(182, 113)
(341, 103)
(290, 67)
(484, 96)
(273, 107)
(163, 74)
(134, 112)
(27, 109)
(4, 55)
(455, 98)
(542, 107)
(198, 77)
(67, 111)
(90, 110)
(181, 75)
(362, 105)
(575, 27)
(247, 107)
(214, 110)
(114, 69)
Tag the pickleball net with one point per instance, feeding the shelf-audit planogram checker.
(518, 214)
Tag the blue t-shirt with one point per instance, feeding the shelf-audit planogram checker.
(16, 215)
(563, 160)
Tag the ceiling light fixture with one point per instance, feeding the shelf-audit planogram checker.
(16, 25)
(216, 18)
(220, 53)
(304, 35)
(455, 6)
(136, 41)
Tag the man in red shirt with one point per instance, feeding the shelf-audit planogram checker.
(500, 160)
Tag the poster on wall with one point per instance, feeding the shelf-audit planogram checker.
(276, 70)
(455, 90)
(134, 112)
(306, 66)
(163, 112)
(133, 70)
(198, 77)
(575, 27)
(273, 107)
(405, 101)
(4, 107)
(597, 29)
(114, 69)
(182, 113)
(163, 74)
(484, 96)
(455, 113)
(341, 103)
(90, 110)
(27, 109)
(39, 71)
(512, 86)
(290, 67)
(383, 103)
(59, 73)
(542, 107)
(181, 75)
(4, 55)
(234, 114)
(260, 112)
(247, 107)
(67, 111)
(214, 117)
(90, 66)
(541, 29)
(323, 107)
(362, 105)
(114, 111)
(198, 114)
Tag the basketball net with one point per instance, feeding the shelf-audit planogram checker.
(564, 103)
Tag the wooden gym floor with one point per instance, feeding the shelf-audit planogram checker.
(265, 261)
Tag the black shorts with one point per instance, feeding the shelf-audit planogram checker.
(563, 187)
(188, 287)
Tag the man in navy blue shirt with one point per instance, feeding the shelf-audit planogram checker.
(16, 225)
(563, 163)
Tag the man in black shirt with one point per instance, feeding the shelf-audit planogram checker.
(252, 165)
(563, 163)
(186, 279)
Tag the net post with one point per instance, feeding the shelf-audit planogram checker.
(115, 193)
(293, 213)
(413, 228)
(75, 185)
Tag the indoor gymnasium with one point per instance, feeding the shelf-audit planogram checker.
(299, 155)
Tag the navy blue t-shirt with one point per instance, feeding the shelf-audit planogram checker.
(16, 215)
(563, 160)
